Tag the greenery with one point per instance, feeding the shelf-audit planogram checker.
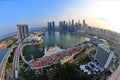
(79, 53)
(31, 75)
(85, 60)
(92, 52)
(111, 42)
(68, 71)
(8, 65)
(85, 42)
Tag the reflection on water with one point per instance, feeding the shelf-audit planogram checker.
(66, 40)
(63, 40)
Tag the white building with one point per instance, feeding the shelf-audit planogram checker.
(101, 61)
(117, 50)
(52, 50)
(32, 37)
(103, 56)
(98, 41)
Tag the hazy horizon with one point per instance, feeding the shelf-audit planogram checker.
(97, 13)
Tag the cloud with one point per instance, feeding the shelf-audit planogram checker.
(103, 19)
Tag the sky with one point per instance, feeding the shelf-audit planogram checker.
(98, 13)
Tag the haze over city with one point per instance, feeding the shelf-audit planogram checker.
(44, 39)
(36, 13)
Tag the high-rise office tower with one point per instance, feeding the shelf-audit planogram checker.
(72, 26)
(83, 21)
(79, 26)
(69, 23)
(22, 31)
(72, 22)
(85, 26)
(60, 26)
(49, 26)
(53, 25)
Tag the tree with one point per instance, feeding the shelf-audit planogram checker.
(67, 72)
(8, 65)
(31, 75)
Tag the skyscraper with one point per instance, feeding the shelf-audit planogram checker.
(60, 26)
(85, 26)
(83, 21)
(51, 26)
(22, 31)
(72, 22)
(26, 30)
(63, 26)
(79, 26)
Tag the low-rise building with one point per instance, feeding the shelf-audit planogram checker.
(95, 40)
(32, 37)
(66, 59)
(101, 61)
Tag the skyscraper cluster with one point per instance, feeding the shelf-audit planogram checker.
(70, 26)
(51, 26)
(22, 31)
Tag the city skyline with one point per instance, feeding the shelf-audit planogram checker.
(100, 13)
(44, 39)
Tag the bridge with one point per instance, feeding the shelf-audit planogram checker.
(15, 66)
(4, 62)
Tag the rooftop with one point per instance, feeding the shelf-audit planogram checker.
(19, 25)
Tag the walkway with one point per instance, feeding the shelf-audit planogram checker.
(115, 75)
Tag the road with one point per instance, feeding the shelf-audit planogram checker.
(15, 65)
(115, 75)
(3, 63)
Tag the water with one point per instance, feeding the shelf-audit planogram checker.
(3, 52)
(32, 52)
(66, 40)
(63, 40)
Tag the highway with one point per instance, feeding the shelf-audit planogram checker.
(15, 65)
(4, 61)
